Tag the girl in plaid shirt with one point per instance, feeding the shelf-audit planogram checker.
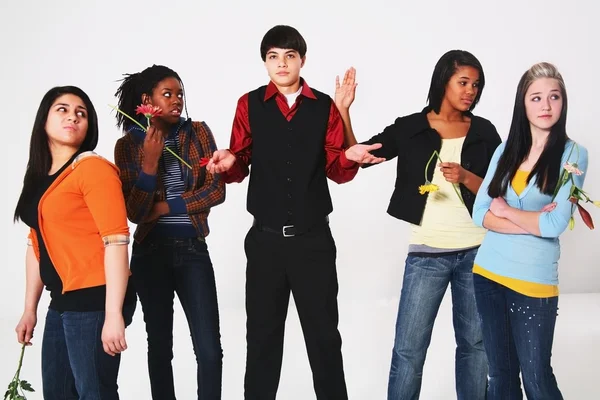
(169, 196)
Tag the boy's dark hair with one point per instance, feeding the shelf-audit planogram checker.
(443, 71)
(282, 37)
(133, 86)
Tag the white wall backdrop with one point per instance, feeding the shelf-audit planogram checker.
(214, 46)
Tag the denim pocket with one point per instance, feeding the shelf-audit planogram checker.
(198, 247)
(145, 248)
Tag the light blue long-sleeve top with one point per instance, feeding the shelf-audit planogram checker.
(528, 257)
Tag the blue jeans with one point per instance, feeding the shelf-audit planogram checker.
(518, 331)
(162, 267)
(74, 364)
(426, 279)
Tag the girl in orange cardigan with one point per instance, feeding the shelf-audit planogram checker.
(73, 203)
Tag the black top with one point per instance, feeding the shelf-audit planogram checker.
(412, 140)
(89, 299)
(288, 179)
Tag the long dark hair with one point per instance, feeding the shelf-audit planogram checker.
(443, 71)
(519, 142)
(40, 158)
(133, 86)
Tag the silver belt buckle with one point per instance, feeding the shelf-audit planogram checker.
(284, 228)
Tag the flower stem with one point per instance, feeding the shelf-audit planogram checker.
(561, 181)
(435, 153)
(117, 109)
(564, 177)
(453, 186)
(18, 373)
(146, 130)
(171, 151)
(179, 158)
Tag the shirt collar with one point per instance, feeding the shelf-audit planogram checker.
(422, 125)
(306, 90)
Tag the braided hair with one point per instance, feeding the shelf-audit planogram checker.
(133, 86)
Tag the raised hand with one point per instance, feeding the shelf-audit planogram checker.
(344, 93)
(221, 161)
(154, 143)
(360, 153)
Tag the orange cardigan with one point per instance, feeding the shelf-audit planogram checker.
(82, 212)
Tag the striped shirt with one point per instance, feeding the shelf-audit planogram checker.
(172, 180)
(201, 190)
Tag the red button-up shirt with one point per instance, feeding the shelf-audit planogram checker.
(339, 168)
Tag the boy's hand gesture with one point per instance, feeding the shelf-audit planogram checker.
(359, 153)
(221, 161)
(344, 93)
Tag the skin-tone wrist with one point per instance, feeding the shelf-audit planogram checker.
(113, 314)
(467, 178)
(150, 168)
(162, 207)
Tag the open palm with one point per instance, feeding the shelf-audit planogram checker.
(360, 153)
(344, 92)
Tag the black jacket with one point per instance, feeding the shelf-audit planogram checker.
(412, 140)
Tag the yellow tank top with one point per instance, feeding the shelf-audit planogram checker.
(446, 222)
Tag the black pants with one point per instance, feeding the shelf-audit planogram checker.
(304, 265)
(162, 267)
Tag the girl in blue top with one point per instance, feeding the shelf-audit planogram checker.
(516, 268)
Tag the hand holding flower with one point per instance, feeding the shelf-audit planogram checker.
(25, 327)
(453, 172)
(150, 112)
(548, 207)
(221, 161)
(154, 143)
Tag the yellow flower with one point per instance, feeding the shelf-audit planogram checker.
(571, 223)
(596, 203)
(428, 188)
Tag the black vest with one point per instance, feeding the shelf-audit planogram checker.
(288, 181)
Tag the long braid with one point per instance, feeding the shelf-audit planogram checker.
(129, 95)
(187, 115)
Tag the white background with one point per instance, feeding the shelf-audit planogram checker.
(215, 49)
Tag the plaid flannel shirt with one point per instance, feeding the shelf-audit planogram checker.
(202, 190)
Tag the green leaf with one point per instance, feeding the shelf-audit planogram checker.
(6, 395)
(26, 386)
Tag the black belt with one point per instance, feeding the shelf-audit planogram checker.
(289, 230)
